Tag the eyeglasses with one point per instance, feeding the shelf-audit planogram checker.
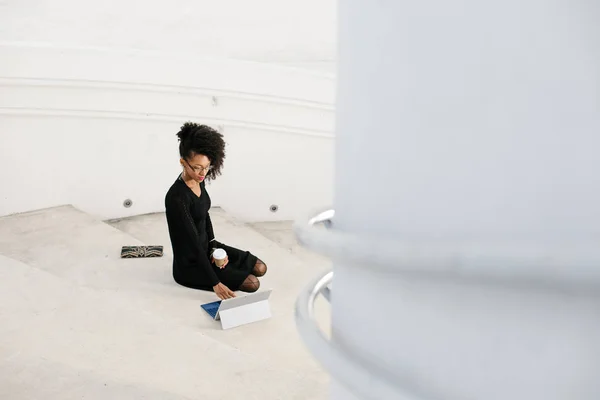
(200, 169)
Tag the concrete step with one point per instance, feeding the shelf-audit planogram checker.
(77, 316)
(288, 273)
(281, 233)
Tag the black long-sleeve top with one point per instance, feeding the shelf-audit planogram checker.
(191, 232)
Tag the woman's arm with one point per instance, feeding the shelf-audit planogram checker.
(212, 242)
(209, 228)
(179, 213)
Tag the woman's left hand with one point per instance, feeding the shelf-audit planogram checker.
(224, 264)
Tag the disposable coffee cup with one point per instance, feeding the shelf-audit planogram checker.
(219, 255)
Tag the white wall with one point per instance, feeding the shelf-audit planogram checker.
(93, 127)
(289, 32)
(479, 126)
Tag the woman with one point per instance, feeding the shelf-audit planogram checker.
(202, 151)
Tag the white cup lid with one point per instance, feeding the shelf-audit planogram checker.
(219, 254)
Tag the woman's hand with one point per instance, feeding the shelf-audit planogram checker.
(223, 291)
(212, 260)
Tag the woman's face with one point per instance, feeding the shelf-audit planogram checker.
(196, 167)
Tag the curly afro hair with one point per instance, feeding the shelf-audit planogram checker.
(201, 139)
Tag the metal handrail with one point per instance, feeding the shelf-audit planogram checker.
(533, 263)
(360, 376)
(357, 374)
(324, 217)
(509, 262)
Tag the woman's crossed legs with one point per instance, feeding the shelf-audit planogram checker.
(251, 283)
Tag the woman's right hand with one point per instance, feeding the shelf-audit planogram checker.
(223, 291)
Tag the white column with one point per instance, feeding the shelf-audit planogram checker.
(478, 123)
